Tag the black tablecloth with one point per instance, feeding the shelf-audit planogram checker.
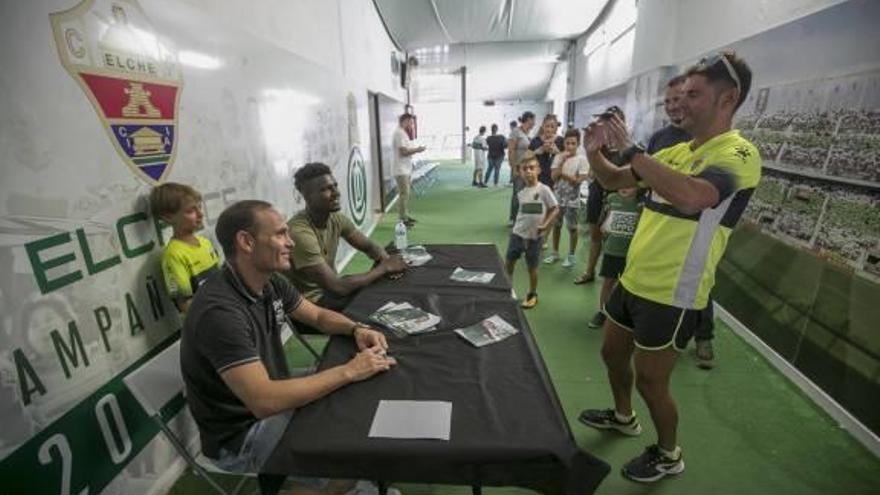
(445, 258)
(507, 424)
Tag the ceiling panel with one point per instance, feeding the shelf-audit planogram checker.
(508, 46)
(422, 23)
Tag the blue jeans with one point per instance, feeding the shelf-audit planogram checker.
(494, 166)
(260, 441)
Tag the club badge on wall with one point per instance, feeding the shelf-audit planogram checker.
(357, 186)
(131, 77)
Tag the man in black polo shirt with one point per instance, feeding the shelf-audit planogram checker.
(237, 381)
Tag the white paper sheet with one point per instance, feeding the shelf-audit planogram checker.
(428, 419)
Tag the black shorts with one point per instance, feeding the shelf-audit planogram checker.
(612, 266)
(654, 326)
(530, 247)
(594, 202)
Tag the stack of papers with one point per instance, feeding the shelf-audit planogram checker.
(492, 329)
(462, 275)
(416, 255)
(405, 319)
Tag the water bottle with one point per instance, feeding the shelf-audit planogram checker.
(400, 236)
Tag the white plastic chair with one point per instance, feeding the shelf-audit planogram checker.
(158, 385)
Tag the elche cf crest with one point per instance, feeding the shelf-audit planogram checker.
(130, 75)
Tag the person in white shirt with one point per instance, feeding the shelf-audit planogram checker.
(480, 149)
(568, 171)
(402, 165)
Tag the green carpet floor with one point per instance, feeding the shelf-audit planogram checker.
(744, 428)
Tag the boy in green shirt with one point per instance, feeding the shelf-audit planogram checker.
(618, 223)
(188, 258)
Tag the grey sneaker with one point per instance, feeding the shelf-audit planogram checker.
(705, 355)
(605, 419)
(597, 321)
(652, 465)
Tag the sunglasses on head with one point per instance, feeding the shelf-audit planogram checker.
(708, 62)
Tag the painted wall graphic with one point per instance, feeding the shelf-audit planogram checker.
(99, 101)
(130, 77)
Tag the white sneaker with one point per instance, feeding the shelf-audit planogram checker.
(569, 261)
(364, 487)
(553, 258)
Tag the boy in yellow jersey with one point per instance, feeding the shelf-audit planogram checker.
(188, 258)
(698, 191)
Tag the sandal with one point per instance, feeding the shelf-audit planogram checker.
(584, 278)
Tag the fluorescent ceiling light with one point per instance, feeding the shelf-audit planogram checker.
(199, 60)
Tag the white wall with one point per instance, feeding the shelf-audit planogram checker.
(609, 56)
(557, 90)
(342, 35)
(669, 32)
(697, 34)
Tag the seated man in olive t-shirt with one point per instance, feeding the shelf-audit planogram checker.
(316, 232)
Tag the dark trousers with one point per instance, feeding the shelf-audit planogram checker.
(518, 185)
(494, 166)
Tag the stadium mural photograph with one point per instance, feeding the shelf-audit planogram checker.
(803, 269)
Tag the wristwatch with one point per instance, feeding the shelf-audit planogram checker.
(356, 326)
(629, 153)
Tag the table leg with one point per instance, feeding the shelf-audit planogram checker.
(270, 484)
(477, 489)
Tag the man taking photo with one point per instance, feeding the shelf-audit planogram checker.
(698, 191)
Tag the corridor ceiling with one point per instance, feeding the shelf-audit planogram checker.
(509, 47)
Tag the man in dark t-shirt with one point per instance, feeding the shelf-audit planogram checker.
(496, 143)
(672, 134)
(238, 385)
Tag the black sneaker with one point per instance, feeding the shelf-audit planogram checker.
(597, 321)
(605, 419)
(705, 355)
(652, 465)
